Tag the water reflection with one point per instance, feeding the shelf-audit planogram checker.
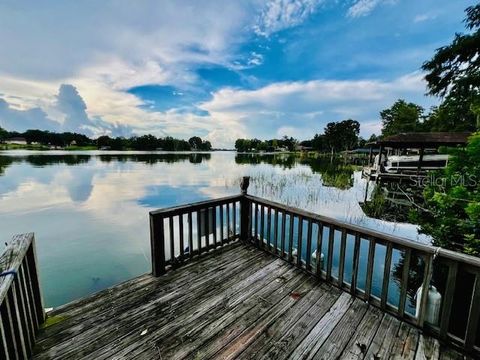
(89, 210)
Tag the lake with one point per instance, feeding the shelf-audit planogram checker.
(89, 210)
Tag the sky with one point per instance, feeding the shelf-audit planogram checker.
(220, 70)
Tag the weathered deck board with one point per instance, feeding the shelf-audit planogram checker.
(236, 302)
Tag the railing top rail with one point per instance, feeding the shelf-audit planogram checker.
(176, 210)
(11, 259)
(403, 242)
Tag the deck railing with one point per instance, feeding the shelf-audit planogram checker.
(183, 232)
(434, 289)
(21, 306)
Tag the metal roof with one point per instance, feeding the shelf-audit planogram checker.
(424, 139)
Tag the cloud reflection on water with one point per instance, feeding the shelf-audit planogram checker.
(89, 211)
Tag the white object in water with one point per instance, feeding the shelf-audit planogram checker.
(434, 302)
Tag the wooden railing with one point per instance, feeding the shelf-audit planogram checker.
(392, 273)
(21, 306)
(183, 232)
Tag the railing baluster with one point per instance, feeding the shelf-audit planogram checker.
(157, 244)
(13, 348)
(448, 298)
(234, 219)
(275, 232)
(290, 239)
(32, 263)
(30, 284)
(370, 262)
(171, 233)
(283, 234)
(180, 233)
(190, 235)
(222, 238)
(473, 315)
(214, 225)
(256, 225)
(3, 339)
(250, 223)
(228, 223)
(206, 227)
(269, 224)
(262, 226)
(22, 310)
(425, 286)
(341, 266)
(12, 301)
(199, 232)
(331, 239)
(356, 259)
(404, 282)
(386, 275)
(299, 241)
(308, 254)
(319, 250)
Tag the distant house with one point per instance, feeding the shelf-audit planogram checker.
(16, 141)
(73, 143)
(303, 148)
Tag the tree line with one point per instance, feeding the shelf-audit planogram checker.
(144, 142)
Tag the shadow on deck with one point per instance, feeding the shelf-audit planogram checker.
(234, 302)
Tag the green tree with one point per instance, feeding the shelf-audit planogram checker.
(3, 134)
(342, 135)
(451, 213)
(454, 71)
(195, 142)
(206, 145)
(401, 117)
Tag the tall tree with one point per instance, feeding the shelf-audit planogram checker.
(195, 142)
(342, 135)
(3, 134)
(401, 117)
(454, 70)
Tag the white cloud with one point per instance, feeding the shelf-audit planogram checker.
(302, 108)
(424, 17)
(282, 14)
(365, 7)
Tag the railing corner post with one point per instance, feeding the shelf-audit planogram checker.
(157, 243)
(245, 204)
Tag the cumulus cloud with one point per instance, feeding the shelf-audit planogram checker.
(365, 7)
(21, 120)
(69, 113)
(295, 108)
(282, 14)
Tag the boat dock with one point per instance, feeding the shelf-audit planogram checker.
(232, 279)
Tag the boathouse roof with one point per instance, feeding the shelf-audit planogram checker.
(423, 139)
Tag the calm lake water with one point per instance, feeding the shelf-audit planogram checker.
(89, 210)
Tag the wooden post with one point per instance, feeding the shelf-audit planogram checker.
(379, 162)
(245, 204)
(420, 160)
(157, 243)
(370, 155)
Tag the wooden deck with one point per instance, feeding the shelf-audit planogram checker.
(234, 302)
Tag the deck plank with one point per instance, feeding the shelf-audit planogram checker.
(382, 343)
(232, 303)
(338, 339)
(363, 336)
(171, 333)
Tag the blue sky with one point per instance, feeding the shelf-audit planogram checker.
(220, 70)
